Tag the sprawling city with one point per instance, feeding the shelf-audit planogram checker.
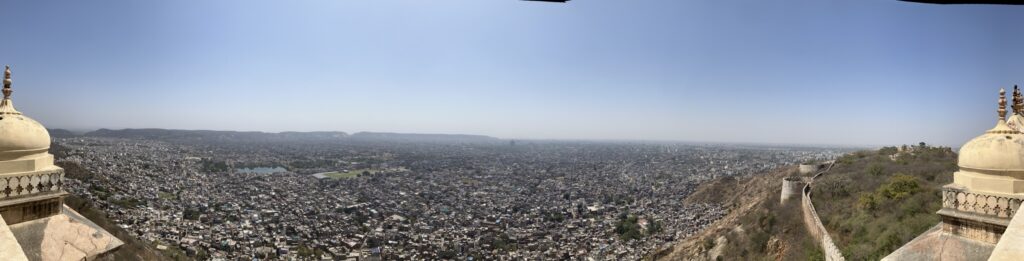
(478, 198)
(581, 130)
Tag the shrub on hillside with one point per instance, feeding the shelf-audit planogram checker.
(886, 151)
(867, 202)
(900, 186)
(876, 169)
(627, 227)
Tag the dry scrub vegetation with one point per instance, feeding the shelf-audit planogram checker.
(872, 204)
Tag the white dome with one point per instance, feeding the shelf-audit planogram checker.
(999, 149)
(20, 136)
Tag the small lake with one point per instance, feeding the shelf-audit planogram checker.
(262, 170)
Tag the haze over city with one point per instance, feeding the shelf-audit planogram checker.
(511, 130)
(809, 72)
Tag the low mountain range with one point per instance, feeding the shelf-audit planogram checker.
(211, 136)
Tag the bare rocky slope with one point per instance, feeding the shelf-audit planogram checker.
(871, 202)
(757, 227)
(133, 248)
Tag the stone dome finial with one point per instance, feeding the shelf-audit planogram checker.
(6, 105)
(7, 82)
(1003, 104)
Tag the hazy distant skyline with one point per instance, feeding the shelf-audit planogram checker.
(811, 72)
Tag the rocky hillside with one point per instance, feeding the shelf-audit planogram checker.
(133, 248)
(871, 202)
(757, 227)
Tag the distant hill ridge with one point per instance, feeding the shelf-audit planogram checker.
(257, 136)
(61, 133)
(421, 137)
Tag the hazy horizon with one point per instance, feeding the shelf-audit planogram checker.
(81, 131)
(807, 72)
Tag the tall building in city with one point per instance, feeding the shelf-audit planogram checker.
(979, 209)
(35, 223)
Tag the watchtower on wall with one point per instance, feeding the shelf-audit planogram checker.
(791, 188)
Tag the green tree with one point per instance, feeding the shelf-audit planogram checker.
(876, 169)
(886, 151)
(900, 186)
(867, 202)
(653, 227)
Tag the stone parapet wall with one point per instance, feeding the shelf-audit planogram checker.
(994, 206)
(9, 246)
(809, 168)
(1009, 246)
(31, 183)
(814, 225)
(977, 215)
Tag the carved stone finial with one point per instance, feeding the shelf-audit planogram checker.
(1015, 104)
(7, 82)
(1002, 104)
(1018, 101)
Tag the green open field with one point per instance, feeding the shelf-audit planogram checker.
(354, 173)
(347, 174)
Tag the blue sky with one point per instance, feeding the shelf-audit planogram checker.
(815, 72)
